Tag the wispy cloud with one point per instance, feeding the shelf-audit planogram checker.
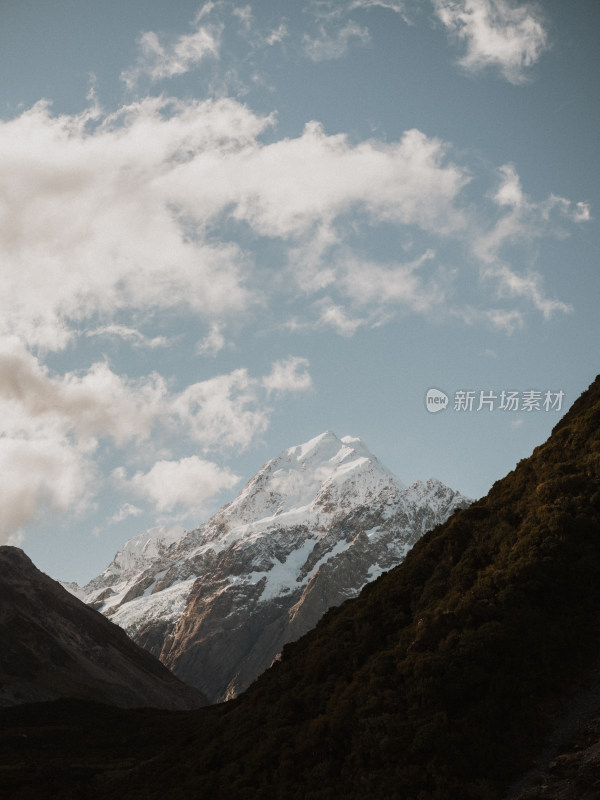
(528, 286)
(397, 6)
(374, 284)
(131, 335)
(336, 317)
(369, 293)
(244, 15)
(497, 33)
(505, 320)
(213, 342)
(277, 35)
(125, 511)
(331, 44)
(158, 61)
(523, 221)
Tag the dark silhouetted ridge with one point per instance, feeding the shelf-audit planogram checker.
(54, 646)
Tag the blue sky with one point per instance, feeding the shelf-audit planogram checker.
(227, 227)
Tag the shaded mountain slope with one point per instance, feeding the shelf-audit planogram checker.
(54, 646)
(437, 682)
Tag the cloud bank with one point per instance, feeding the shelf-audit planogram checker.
(52, 426)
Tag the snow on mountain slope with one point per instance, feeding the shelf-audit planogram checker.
(315, 524)
(136, 555)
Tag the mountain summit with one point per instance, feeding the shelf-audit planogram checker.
(217, 604)
(309, 481)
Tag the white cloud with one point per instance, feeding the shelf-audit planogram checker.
(329, 315)
(206, 10)
(528, 286)
(582, 212)
(505, 320)
(230, 410)
(223, 411)
(158, 61)
(113, 213)
(277, 35)
(244, 15)
(391, 5)
(335, 9)
(326, 46)
(289, 375)
(370, 283)
(498, 33)
(188, 482)
(51, 426)
(294, 186)
(134, 337)
(336, 317)
(89, 224)
(97, 403)
(509, 192)
(523, 222)
(41, 474)
(103, 215)
(212, 343)
(125, 511)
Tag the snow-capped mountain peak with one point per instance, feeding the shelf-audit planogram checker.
(315, 524)
(308, 481)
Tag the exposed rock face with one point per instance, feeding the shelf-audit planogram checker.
(54, 646)
(217, 604)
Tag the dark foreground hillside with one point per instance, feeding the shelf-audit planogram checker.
(54, 646)
(444, 679)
